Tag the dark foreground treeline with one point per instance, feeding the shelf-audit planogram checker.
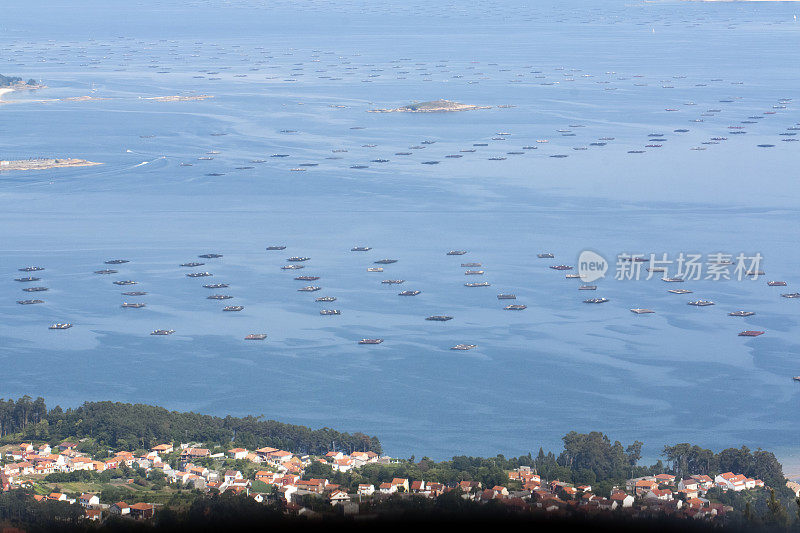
(124, 426)
(230, 512)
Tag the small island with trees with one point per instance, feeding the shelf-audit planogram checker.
(16, 82)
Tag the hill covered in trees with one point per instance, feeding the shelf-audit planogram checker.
(124, 426)
(587, 458)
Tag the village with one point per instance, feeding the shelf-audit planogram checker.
(273, 476)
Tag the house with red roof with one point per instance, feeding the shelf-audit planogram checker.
(237, 453)
(500, 491)
(736, 482)
(88, 500)
(94, 514)
(266, 476)
(142, 511)
(189, 454)
(119, 508)
(264, 452)
(163, 448)
(342, 465)
(80, 463)
(470, 486)
(435, 489)
(278, 456)
(643, 486)
(694, 503)
(312, 485)
(418, 487)
(659, 494)
(400, 482)
(665, 479)
(623, 499)
(704, 482)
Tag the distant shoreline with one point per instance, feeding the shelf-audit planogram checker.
(171, 98)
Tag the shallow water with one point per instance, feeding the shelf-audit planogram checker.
(681, 374)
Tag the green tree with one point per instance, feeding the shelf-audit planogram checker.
(776, 514)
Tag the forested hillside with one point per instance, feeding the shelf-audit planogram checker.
(132, 426)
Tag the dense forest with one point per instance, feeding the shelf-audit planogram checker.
(5, 81)
(124, 426)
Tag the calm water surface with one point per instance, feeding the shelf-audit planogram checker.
(614, 69)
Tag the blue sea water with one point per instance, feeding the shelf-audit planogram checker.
(316, 68)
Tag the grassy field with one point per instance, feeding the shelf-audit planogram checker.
(128, 492)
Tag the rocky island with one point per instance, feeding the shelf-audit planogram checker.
(14, 83)
(177, 98)
(43, 164)
(433, 106)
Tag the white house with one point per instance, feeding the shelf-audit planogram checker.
(623, 500)
(703, 481)
(237, 453)
(88, 500)
(288, 490)
(343, 464)
(387, 488)
(659, 494)
(368, 489)
(231, 476)
(731, 481)
(120, 508)
(279, 456)
(339, 496)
